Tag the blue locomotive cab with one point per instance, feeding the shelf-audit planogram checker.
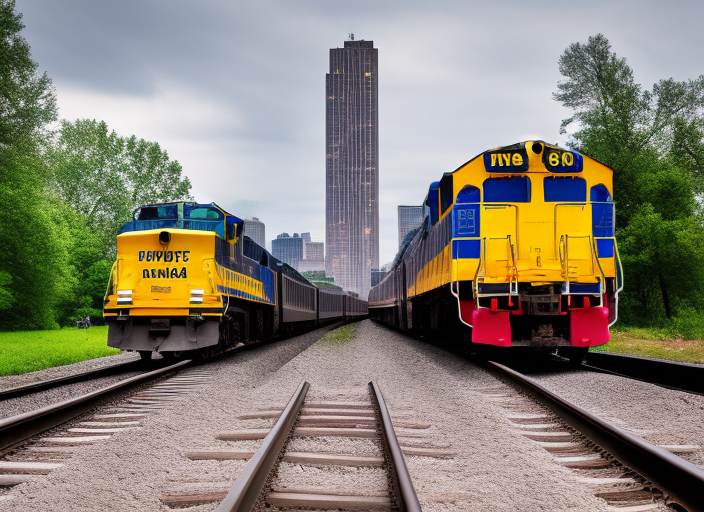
(184, 215)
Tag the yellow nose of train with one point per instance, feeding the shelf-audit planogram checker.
(521, 240)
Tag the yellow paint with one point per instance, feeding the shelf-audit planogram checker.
(523, 241)
(200, 269)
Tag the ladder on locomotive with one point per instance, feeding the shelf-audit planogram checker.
(497, 265)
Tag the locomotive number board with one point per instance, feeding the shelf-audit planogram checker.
(516, 160)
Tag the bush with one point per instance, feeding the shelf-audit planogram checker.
(688, 324)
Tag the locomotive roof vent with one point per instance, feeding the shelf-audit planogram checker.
(164, 237)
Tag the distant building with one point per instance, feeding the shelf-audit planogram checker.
(288, 249)
(305, 237)
(352, 166)
(314, 251)
(254, 229)
(379, 274)
(409, 218)
(313, 255)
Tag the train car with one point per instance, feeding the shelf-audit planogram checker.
(355, 307)
(517, 248)
(186, 280)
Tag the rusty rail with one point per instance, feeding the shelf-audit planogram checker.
(245, 492)
(403, 486)
(682, 480)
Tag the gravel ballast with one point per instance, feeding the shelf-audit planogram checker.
(659, 415)
(11, 381)
(493, 468)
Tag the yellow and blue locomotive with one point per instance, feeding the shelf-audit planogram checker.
(187, 280)
(517, 249)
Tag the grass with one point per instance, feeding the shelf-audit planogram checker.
(656, 343)
(28, 351)
(340, 336)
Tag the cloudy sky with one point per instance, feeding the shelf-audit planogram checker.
(235, 90)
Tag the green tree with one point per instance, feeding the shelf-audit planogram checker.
(6, 298)
(653, 140)
(619, 123)
(33, 256)
(27, 101)
(105, 177)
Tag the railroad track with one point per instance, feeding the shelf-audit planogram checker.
(670, 374)
(18, 429)
(623, 469)
(264, 483)
(34, 387)
(26, 454)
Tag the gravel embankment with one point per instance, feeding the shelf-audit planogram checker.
(659, 415)
(14, 406)
(494, 467)
(132, 468)
(22, 404)
(11, 381)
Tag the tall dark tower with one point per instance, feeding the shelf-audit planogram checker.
(352, 166)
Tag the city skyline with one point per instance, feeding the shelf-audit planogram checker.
(352, 165)
(239, 104)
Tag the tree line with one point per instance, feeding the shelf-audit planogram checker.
(65, 190)
(653, 139)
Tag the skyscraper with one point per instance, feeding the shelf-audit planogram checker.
(288, 249)
(254, 229)
(352, 166)
(409, 218)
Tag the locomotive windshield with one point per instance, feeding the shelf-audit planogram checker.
(198, 217)
(166, 211)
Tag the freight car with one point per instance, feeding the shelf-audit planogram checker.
(517, 248)
(187, 280)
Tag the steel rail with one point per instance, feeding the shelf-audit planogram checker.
(16, 429)
(245, 492)
(78, 377)
(671, 374)
(403, 486)
(682, 480)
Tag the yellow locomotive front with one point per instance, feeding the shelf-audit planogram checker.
(521, 240)
(535, 259)
(174, 279)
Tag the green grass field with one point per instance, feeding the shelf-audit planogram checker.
(28, 351)
(654, 343)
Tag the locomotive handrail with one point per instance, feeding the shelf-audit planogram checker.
(511, 268)
(601, 272)
(565, 262)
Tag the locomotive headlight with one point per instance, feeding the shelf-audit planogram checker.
(197, 296)
(124, 296)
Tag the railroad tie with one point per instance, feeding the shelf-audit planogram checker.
(73, 440)
(80, 430)
(244, 435)
(329, 501)
(590, 461)
(334, 432)
(681, 449)
(16, 479)
(28, 468)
